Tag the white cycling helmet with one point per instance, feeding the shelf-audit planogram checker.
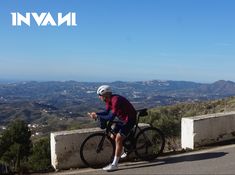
(104, 89)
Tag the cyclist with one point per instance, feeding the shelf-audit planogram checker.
(120, 107)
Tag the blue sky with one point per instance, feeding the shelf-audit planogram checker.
(125, 40)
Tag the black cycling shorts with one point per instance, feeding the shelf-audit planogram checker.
(124, 129)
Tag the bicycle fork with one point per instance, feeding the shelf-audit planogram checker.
(100, 145)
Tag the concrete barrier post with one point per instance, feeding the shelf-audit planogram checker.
(65, 148)
(207, 129)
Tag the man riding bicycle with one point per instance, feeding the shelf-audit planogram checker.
(120, 107)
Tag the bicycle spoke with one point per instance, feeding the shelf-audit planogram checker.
(150, 143)
(97, 150)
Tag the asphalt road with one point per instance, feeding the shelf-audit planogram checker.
(218, 160)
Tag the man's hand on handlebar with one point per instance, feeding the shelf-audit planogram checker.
(92, 115)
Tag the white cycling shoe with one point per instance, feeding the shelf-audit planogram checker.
(110, 167)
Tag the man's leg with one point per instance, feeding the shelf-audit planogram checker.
(118, 138)
(118, 144)
(118, 151)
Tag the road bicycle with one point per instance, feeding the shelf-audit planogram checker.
(98, 149)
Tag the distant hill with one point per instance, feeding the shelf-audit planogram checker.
(70, 100)
(147, 93)
(219, 87)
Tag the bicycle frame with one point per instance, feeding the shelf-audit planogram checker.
(142, 112)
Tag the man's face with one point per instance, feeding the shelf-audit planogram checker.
(101, 98)
(104, 98)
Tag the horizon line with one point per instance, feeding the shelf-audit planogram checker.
(127, 81)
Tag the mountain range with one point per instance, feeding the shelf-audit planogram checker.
(31, 100)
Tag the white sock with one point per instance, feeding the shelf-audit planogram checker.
(115, 160)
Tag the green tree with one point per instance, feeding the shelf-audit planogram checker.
(39, 159)
(15, 144)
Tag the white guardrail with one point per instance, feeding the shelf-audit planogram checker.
(65, 147)
(207, 129)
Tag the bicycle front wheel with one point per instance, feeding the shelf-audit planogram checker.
(97, 150)
(150, 143)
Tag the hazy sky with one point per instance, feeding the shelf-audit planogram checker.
(123, 40)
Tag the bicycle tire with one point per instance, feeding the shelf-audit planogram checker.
(150, 142)
(94, 156)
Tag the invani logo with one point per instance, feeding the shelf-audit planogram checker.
(43, 19)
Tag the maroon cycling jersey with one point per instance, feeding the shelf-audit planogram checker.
(121, 108)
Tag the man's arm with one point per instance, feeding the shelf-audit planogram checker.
(106, 115)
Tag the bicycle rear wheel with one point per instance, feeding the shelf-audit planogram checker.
(150, 143)
(97, 150)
